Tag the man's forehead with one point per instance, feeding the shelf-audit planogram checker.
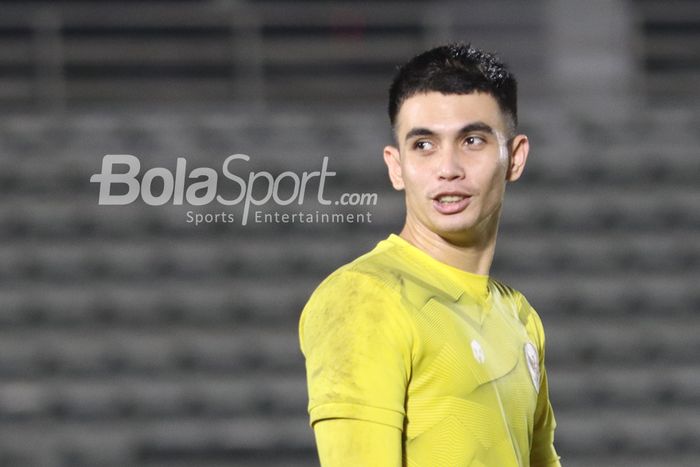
(448, 112)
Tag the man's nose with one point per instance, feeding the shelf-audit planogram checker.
(450, 167)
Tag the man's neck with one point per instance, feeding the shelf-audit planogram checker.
(474, 255)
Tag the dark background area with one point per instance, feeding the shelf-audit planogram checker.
(130, 337)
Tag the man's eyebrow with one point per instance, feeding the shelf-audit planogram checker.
(476, 126)
(418, 132)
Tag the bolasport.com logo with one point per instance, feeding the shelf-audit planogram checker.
(121, 183)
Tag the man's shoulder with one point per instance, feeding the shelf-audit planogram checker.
(525, 312)
(509, 294)
(359, 294)
(378, 266)
(393, 269)
(390, 269)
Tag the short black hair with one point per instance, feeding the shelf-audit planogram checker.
(456, 68)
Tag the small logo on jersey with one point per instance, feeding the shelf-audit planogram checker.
(533, 364)
(478, 352)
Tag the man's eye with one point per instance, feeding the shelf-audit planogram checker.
(474, 141)
(423, 145)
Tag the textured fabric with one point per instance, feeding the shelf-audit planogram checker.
(455, 360)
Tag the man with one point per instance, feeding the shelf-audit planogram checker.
(414, 355)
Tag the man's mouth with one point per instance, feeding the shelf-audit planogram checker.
(451, 203)
(449, 199)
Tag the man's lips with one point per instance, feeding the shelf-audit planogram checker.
(451, 203)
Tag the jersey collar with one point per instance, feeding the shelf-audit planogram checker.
(441, 277)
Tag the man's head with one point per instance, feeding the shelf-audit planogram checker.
(456, 69)
(454, 117)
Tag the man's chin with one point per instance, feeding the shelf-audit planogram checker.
(454, 224)
(465, 230)
(458, 234)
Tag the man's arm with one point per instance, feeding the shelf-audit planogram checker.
(543, 453)
(357, 343)
(348, 442)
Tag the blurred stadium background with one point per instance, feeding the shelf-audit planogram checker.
(129, 337)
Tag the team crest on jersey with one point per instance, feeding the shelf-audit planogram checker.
(533, 364)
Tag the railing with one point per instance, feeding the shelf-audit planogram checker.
(64, 54)
(258, 53)
(670, 32)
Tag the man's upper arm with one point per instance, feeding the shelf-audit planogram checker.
(344, 442)
(543, 453)
(357, 344)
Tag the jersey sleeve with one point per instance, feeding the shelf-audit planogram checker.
(337, 441)
(542, 452)
(357, 342)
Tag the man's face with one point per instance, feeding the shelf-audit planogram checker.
(453, 161)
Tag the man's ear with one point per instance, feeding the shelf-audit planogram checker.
(518, 157)
(392, 158)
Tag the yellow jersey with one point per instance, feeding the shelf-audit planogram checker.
(452, 359)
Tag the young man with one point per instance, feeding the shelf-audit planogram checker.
(414, 355)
